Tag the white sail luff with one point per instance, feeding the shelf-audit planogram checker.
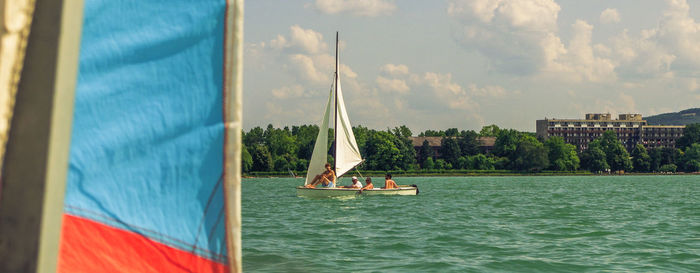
(319, 157)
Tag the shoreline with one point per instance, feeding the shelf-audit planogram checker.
(478, 174)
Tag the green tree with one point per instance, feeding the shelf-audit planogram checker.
(282, 143)
(450, 150)
(431, 133)
(462, 163)
(405, 145)
(424, 153)
(593, 159)
(506, 143)
(452, 132)
(490, 131)
(562, 156)
(301, 165)
(481, 162)
(429, 164)
(501, 163)
(641, 160)
(691, 134)
(691, 158)
(254, 137)
(530, 155)
(670, 156)
(402, 131)
(262, 159)
(654, 159)
(382, 153)
(280, 164)
(468, 143)
(615, 154)
(246, 160)
(305, 136)
(441, 164)
(668, 168)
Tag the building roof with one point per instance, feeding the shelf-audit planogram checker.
(432, 141)
(437, 141)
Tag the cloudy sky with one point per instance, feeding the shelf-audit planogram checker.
(469, 63)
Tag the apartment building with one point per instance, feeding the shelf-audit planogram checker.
(631, 129)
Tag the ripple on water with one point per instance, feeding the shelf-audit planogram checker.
(482, 224)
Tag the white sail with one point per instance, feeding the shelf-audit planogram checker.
(319, 157)
(347, 154)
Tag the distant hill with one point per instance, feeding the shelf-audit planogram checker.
(684, 117)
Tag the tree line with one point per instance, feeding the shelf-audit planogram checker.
(289, 149)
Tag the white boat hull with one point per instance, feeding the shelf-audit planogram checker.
(352, 193)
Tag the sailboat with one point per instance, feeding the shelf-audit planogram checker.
(346, 153)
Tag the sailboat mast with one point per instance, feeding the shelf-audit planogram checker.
(335, 122)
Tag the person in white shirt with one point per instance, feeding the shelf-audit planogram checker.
(356, 184)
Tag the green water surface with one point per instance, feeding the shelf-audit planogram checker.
(478, 224)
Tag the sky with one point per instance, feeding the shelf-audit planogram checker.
(469, 63)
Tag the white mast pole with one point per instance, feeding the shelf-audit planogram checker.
(335, 121)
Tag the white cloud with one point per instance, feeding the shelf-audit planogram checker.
(623, 103)
(579, 62)
(609, 16)
(435, 89)
(640, 56)
(691, 84)
(448, 92)
(520, 37)
(306, 41)
(392, 85)
(511, 33)
(627, 103)
(670, 49)
(305, 54)
(285, 92)
(680, 33)
(305, 67)
(368, 8)
(300, 66)
(394, 69)
(493, 91)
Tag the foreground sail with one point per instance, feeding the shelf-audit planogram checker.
(145, 190)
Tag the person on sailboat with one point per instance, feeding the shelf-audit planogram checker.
(327, 178)
(388, 183)
(368, 183)
(356, 184)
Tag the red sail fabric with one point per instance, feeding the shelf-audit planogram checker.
(84, 242)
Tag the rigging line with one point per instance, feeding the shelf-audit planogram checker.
(216, 224)
(206, 208)
(358, 172)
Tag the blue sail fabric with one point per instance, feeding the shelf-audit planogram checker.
(146, 152)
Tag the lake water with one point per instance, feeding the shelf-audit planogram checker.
(478, 224)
